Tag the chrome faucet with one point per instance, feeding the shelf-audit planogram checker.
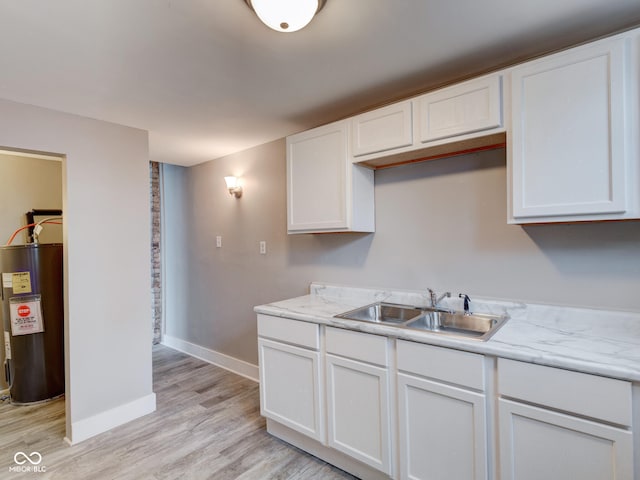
(467, 300)
(436, 300)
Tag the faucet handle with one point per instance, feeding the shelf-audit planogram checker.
(432, 296)
(466, 299)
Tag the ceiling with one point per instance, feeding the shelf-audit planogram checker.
(206, 78)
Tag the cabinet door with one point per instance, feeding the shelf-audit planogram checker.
(536, 443)
(569, 133)
(317, 179)
(358, 411)
(442, 431)
(290, 387)
(383, 129)
(466, 108)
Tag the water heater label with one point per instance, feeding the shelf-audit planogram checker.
(21, 282)
(26, 315)
(7, 280)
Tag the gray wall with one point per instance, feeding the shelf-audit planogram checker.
(440, 224)
(105, 186)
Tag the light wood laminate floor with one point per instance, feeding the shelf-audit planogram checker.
(207, 426)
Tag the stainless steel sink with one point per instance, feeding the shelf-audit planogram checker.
(477, 326)
(383, 313)
(471, 325)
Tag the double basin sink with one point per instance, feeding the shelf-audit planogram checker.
(476, 326)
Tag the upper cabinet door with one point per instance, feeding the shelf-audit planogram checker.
(569, 144)
(325, 191)
(466, 108)
(317, 178)
(382, 129)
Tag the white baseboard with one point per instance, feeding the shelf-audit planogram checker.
(239, 367)
(92, 426)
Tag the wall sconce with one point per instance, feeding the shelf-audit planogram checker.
(286, 15)
(233, 186)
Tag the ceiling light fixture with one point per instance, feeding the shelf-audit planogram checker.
(286, 15)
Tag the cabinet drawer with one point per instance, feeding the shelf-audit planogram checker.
(296, 332)
(359, 346)
(579, 393)
(445, 364)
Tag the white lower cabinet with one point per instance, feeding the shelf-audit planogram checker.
(380, 407)
(579, 427)
(442, 428)
(359, 416)
(536, 443)
(290, 375)
(358, 411)
(442, 431)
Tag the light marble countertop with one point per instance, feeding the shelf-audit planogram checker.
(592, 341)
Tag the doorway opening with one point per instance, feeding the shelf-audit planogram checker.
(31, 198)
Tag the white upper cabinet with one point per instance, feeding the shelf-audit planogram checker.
(466, 108)
(461, 118)
(382, 129)
(571, 157)
(325, 191)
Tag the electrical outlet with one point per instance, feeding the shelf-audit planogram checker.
(218, 241)
(263, 247)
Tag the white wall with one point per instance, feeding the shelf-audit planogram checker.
(106, 237)
(439, 224)
(27, 183)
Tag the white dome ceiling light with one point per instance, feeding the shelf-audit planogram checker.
(286, 15)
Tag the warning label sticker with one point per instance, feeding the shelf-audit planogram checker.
(21, 282)
(26, 315)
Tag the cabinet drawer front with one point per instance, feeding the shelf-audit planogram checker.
(295, 332)
(445, 364)
(359, 346)
(580, 393)
(470, 107)
(382, 129)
